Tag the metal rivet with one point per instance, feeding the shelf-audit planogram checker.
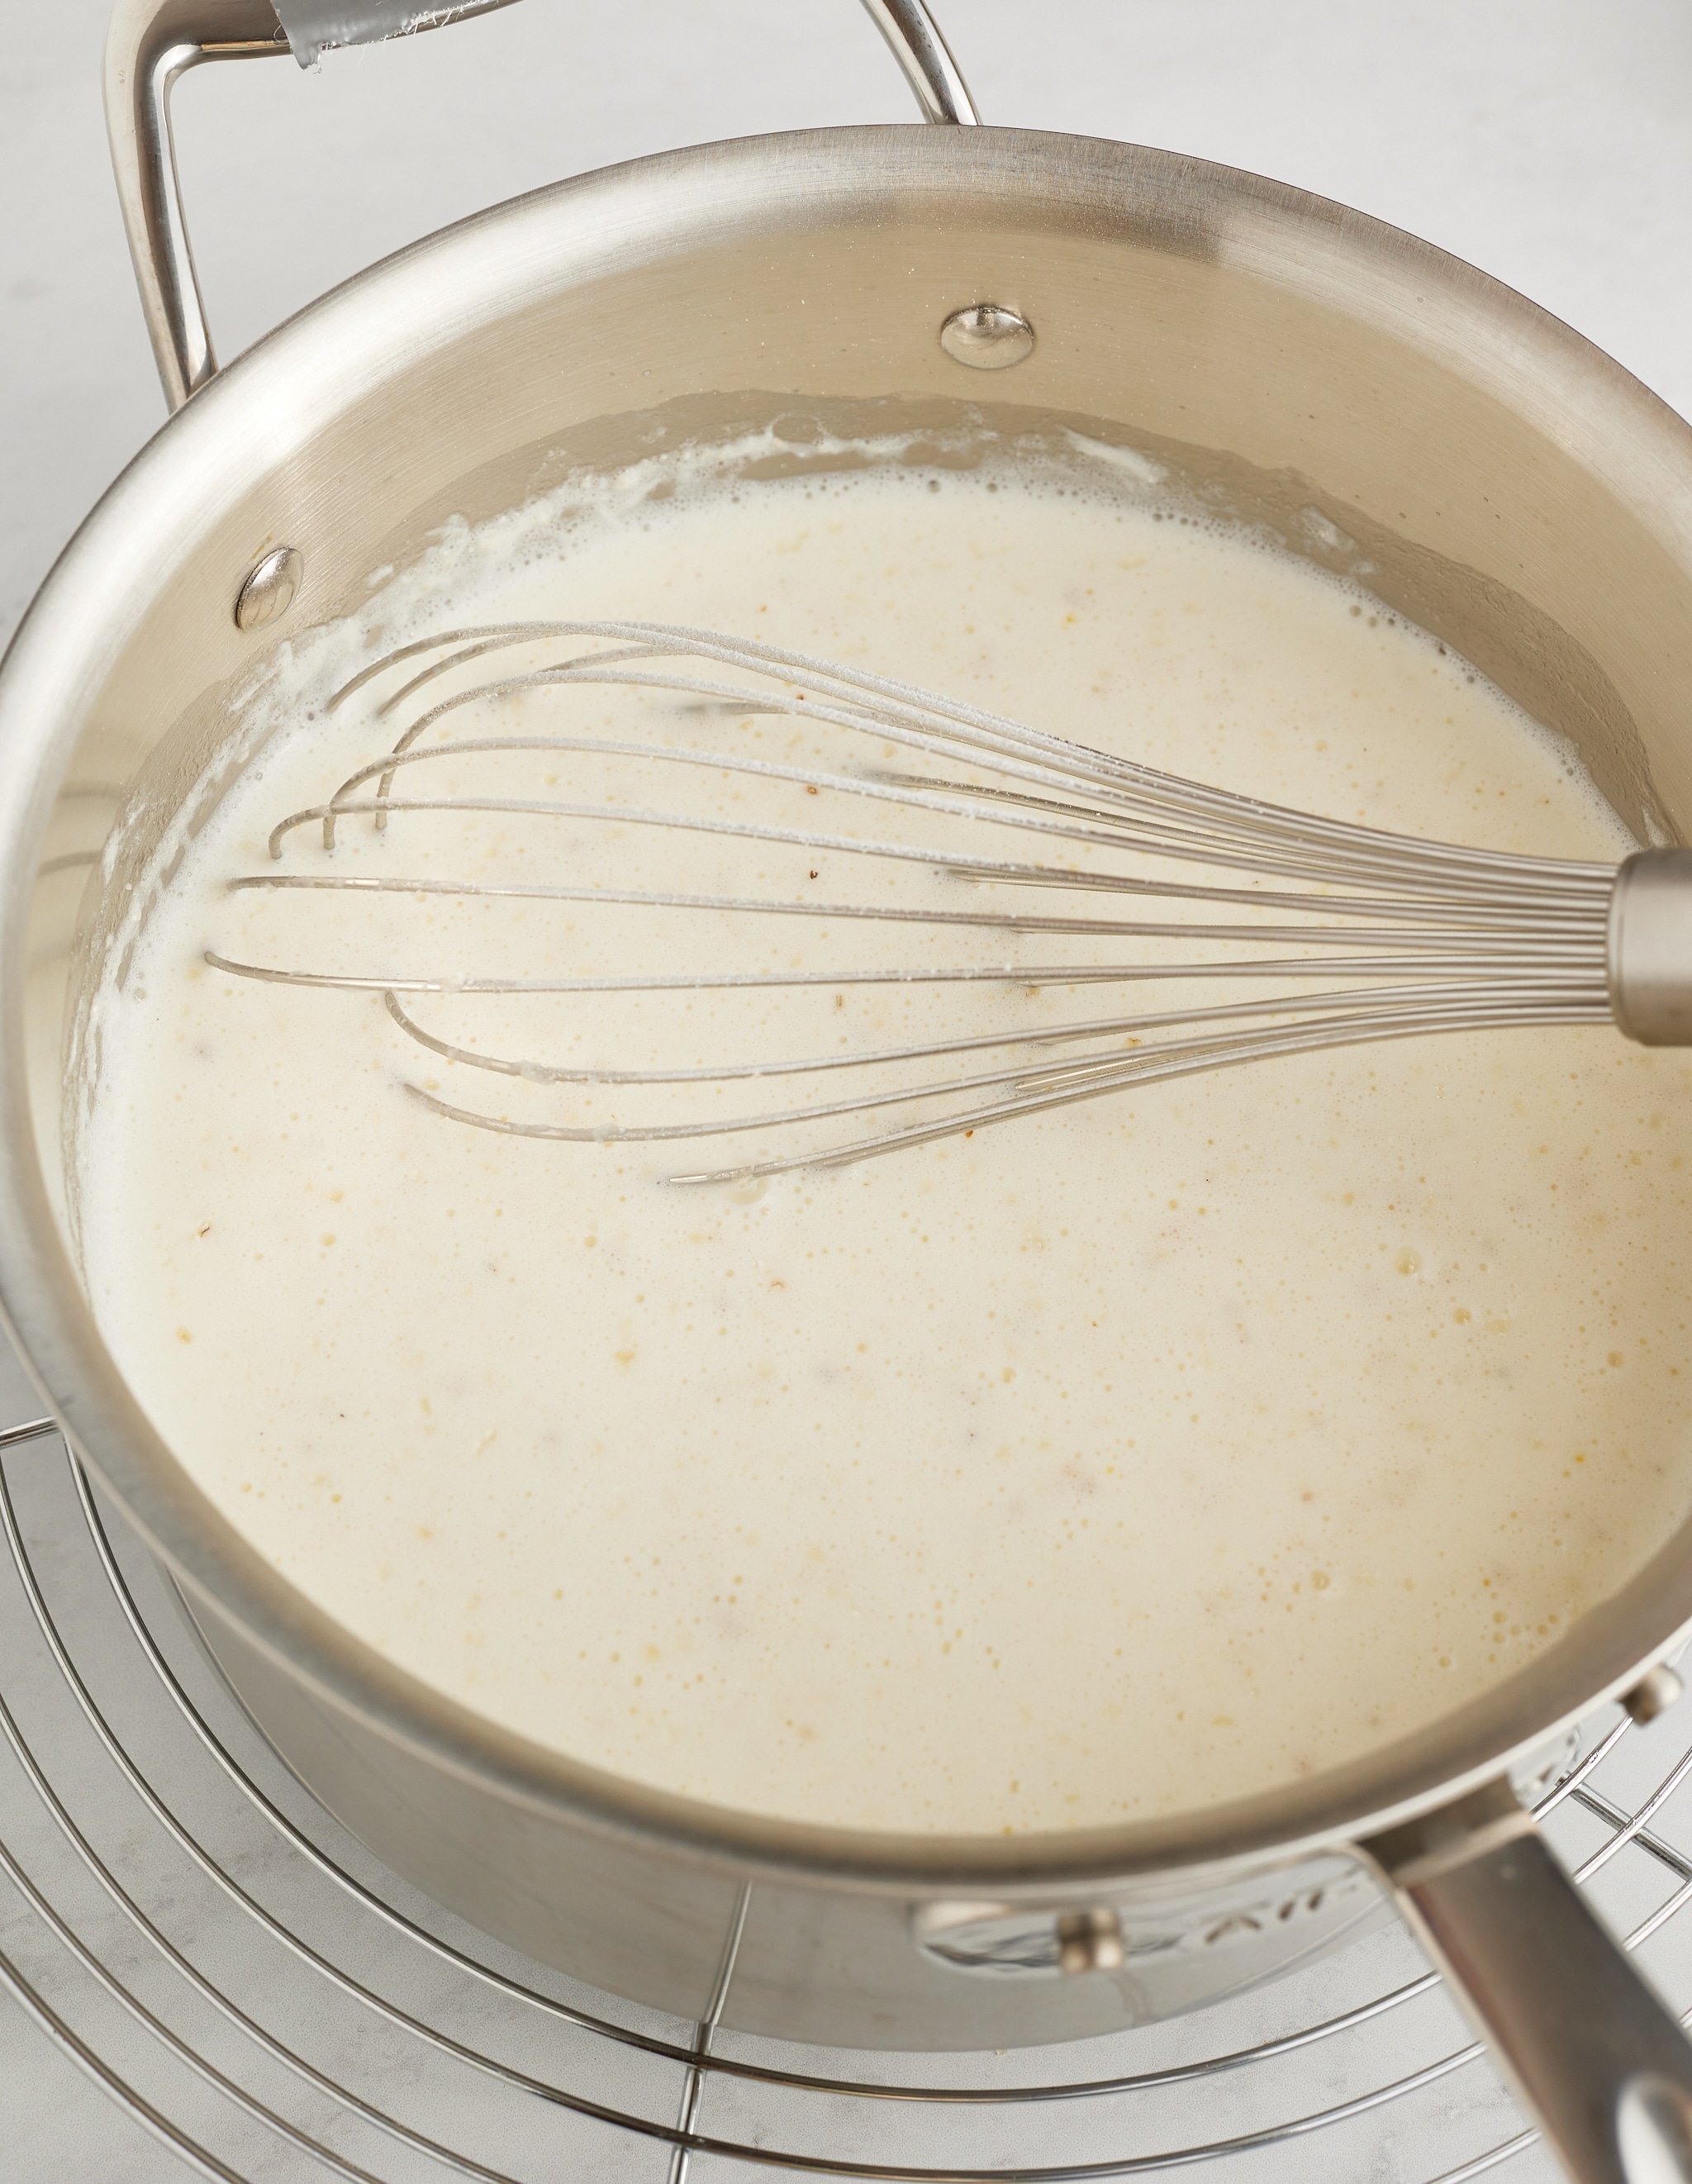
(986, 336)
(269, 590)
(1653, 1694)
(1090, 1941)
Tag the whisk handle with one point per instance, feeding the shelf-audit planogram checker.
(1651, 948)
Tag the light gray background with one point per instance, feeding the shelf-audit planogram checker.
(1549, 141)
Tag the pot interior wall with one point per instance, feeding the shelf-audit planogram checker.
(1386, 413)
(1381, 420)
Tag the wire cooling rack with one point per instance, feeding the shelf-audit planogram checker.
(241, 1976)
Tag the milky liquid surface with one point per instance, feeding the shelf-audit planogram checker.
(1113, 1462)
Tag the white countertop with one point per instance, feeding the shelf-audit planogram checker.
(1549, 141)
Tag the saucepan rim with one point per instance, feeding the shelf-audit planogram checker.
(377, 322)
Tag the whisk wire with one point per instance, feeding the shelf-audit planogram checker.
(1476, 939)
(1214, 826)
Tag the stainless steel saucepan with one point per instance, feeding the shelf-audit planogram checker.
(1386, 410)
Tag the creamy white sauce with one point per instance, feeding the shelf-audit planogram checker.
(1108, 1463)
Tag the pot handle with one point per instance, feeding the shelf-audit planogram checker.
(1596, 2057)
(151, 43)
